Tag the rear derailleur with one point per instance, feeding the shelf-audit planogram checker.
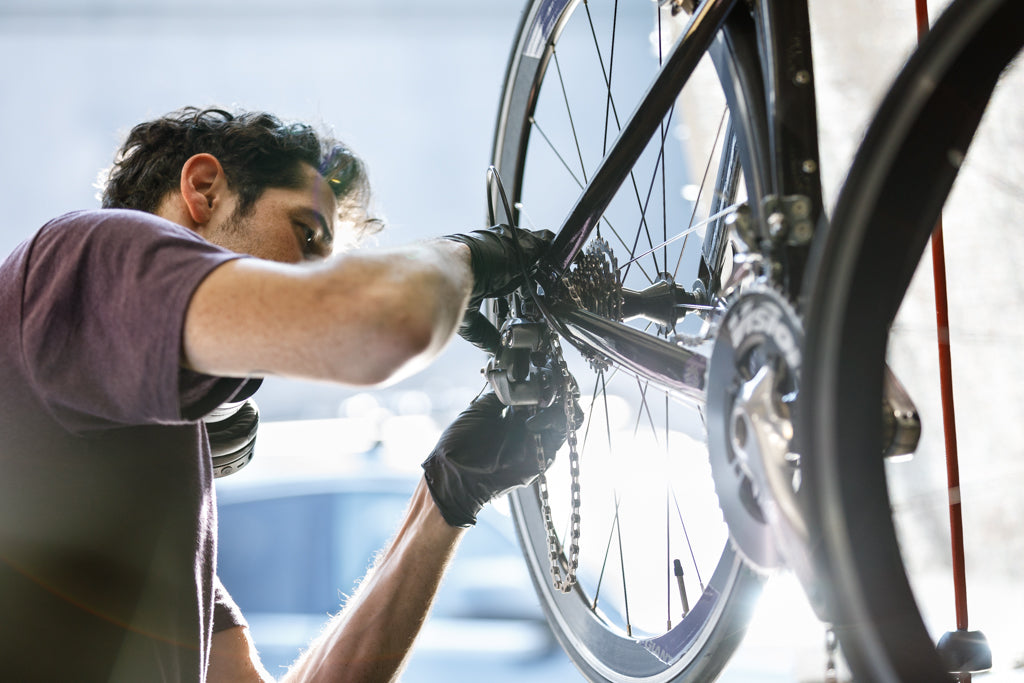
(529, 372)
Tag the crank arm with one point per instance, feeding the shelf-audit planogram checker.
(901, 424)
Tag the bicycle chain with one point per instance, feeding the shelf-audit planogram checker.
(569, 393)
(594, 285)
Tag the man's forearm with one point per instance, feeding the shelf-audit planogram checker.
(362, 318)
(373, 635)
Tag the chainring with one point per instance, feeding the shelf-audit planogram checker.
(753, 383)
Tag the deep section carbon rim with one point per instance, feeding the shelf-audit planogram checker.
(661, 595)
(886, 524)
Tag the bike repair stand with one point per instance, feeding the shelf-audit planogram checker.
(965, 652)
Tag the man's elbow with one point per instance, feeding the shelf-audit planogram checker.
(403, 321)
(402, 349)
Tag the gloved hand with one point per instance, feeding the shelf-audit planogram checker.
(497, 271)
(484, 454)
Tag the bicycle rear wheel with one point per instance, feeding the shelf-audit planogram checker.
(661, 593)
(886, 525)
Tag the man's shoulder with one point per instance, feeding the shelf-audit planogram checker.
(114, 223)
(116, 238)
(75, 231)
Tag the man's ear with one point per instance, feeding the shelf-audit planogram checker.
(203, 185)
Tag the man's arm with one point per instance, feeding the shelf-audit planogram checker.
(233, 658)
(371, 639)
(362, 318)
(483, 454)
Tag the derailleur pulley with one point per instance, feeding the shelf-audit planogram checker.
(521, 372)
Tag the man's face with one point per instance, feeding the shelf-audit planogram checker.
(285, 225)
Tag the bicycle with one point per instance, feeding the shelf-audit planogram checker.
(752, 457)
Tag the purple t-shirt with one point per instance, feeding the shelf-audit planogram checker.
(107, 510)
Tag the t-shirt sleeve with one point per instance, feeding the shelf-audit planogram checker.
(103, 311)
(225, 612)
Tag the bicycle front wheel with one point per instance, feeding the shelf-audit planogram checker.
(887, 523)
(661, 593)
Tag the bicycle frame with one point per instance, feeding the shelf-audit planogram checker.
(773, 93)
(768, 119)
(834, 525)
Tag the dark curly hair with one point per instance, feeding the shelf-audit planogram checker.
(256, 150)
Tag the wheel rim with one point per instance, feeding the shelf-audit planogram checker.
(876, 514)
(623, 619)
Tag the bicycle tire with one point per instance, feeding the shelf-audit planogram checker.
(884, 217)
(604, 643)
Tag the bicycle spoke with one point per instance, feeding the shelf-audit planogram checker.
(664, 203)
(622, 568)
(643, 205)
(582, 185)
(682, 235)
(607, 552)
(572, 174)
(606, 74)
(590, 411)
(668, 558)
(615, 529)
(617, 519)
(668, 525)
(610, 103)
(568, 111)
(703, 184)
(689, 544)
(643, 386)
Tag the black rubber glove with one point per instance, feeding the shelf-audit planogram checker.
(497, 271)
(496, 251)
(484, 454)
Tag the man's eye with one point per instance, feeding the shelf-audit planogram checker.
(308, 234)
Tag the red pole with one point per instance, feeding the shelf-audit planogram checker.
(956, 526)
(922, 18)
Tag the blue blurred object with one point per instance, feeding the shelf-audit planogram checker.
(292, 547)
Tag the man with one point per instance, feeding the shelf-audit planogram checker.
(210, 265)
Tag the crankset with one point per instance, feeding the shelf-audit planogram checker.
(751, 403)
(756, 456)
